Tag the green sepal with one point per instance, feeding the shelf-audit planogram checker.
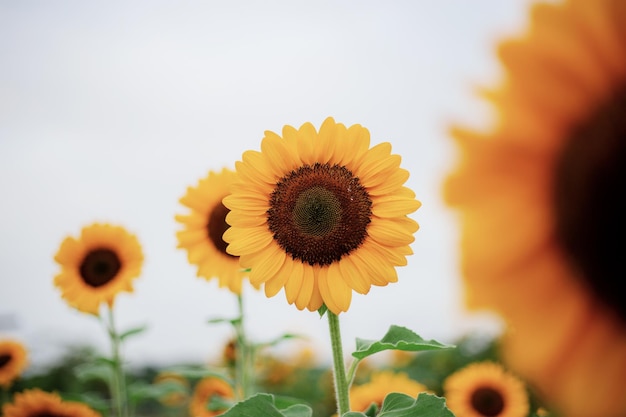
(396, 338)
(267, 405)
(322, 310)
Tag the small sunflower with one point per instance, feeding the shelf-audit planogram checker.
(98, 265)
(321, 214)
(382, 383)
(38, 403)
(206, 390)
(539, 194)
(204, 227)
(175, 397)
(13, 361)
(485, 389)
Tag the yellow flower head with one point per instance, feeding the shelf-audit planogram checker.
(542, 215)
(38, 403)
(203, 228)
(13, 361)
(381, 384)
(205, 390)
(174, 398)
(321, 214)
(485, 389)
(97, 265)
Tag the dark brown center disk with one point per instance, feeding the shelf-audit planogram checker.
(4, 359)
(319, 213)
(590, 208)
(487, 402)
(99, 267)
(217, 226)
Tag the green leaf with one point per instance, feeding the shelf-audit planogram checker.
(195, 372)
(139, 391)
(322, 310)
(355, 414)
(372, 411)
(100, 370)
(281, 338)
(396, 338)
(402, 405)
(219, 320)
(265, 405)
(133, 331)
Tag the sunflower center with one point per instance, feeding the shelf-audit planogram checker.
(590, 209)
(217, 226)
(487, 402)
(99, 267)
(4, 359)
(319, 213)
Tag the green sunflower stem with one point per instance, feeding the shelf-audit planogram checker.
(118, 382)
(339, 368)
(243, 352)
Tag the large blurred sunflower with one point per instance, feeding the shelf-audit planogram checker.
(321, 214)
(207, 390)
(204, 227)
(38, 403)
(98, 265)
(485, 389)
(381, 384)
(13, 361)
(541, 210)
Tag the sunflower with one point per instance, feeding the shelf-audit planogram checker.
(381, 384)
(205, 391)
(179, 385)
(539, 197)
(321, 214)
(204, 227)
(98, 265)
(13, 361)
(485, 389)
(38, 403)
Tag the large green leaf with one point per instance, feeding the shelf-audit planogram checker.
(402, 405)
(266, 405)
(396, 338)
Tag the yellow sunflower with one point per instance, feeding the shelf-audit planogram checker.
(321, 214)
(381, 384)
(38, 403)
(485, 389)
(541, 208)
(175, 397)
(206, 390)
(13, 361)
(98, 265)
(204, 227)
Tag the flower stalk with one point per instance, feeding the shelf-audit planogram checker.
(118, 382)
(243, 355)
(339, 369)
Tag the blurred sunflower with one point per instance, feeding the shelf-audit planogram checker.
(485, 389)
(38, 403)
(207, 390)
(179, 386)
(204, 227)
(13, 361)
(98, 265)
(321, 214)
(541, 207)
(381, 384)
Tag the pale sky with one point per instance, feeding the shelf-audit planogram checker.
(109, 111)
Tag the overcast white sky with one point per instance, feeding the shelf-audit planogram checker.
(108, 111)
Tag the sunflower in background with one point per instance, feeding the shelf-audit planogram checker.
(205, 394)
(102, 262)
(203, 228)
(485, 389)
(321, 214)
(13, 361)
(539, 195)
(382, 383)
(38, 403)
